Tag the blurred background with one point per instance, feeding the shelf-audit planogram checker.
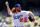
(27, 5)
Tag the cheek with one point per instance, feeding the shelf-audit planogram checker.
(17, 8)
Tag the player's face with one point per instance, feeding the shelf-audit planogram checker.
(18, 9)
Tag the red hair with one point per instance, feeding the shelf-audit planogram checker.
(13, 10)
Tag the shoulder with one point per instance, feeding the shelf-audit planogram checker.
(12, 14)
(25, 12)
(30, 12)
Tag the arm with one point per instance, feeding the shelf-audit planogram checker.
(31, 17)
(8, 9)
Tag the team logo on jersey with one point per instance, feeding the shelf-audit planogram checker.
(17, 17)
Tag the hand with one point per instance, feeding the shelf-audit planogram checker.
(6, 3)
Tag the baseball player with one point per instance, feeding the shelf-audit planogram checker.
(17, 15)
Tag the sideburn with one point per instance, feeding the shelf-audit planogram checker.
(19, 10)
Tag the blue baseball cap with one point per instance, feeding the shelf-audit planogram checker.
(17, 5)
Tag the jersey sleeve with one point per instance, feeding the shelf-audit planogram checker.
(12, 14)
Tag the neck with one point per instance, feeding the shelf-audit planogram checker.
(17, 11)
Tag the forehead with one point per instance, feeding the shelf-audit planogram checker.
(17, 7)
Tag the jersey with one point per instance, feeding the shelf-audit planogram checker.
(28, 13)
(20, 14)
(25, 14)
(18, 19)
(17, 15)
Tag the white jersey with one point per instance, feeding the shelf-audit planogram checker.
(22, 13)
(17, 17)
(26, 12)
(19, 14)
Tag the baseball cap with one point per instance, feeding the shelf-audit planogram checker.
(17, 5)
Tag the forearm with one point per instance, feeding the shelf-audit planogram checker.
(32, 14)
(8, 9)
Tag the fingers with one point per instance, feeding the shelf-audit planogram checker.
(6, 3)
